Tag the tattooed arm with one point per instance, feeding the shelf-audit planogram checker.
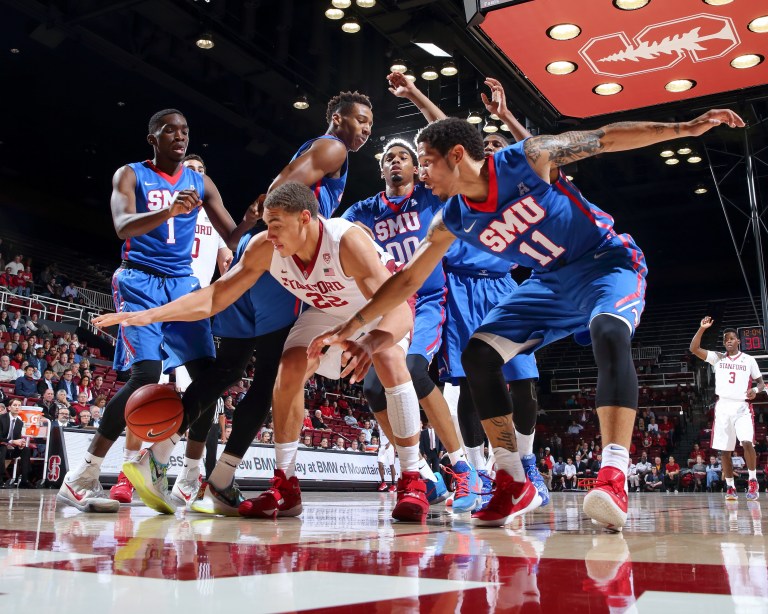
(546, 151)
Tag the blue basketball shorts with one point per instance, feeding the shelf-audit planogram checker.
(173, 343)
(555, 304)
(428, 324)
(470, 298)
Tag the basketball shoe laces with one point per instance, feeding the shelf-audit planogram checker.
(462, 483)
(274, 488)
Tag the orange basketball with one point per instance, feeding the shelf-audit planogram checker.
(154, 412)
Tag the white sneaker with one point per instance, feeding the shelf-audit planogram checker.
(211, 500)
(85, 492)
(150, 480)
(186, 486)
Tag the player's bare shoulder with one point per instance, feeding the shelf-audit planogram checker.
(259, 251)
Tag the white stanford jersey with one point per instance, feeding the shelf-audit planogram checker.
(322, 283)
(733, 374)
(205, 249)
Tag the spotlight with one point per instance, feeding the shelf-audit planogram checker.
(505, 128)
(429, 74)
(350, 25)
(474, 117)
(410, 76)
(334, 13)
(747, 60)
(562, 67)
(680, 85)
(379, 155)
(341, 4)
(607, 89)
(630, 5)
(694, 159)
(717, 2)
(205, 41)
(684, 151)
(398, 66)
(365, 4)
(449, 69)
(759, 25)
(671, 161)
(667, 153)
(564, 31)
(490, 126)
(301, 103)
(700, 189)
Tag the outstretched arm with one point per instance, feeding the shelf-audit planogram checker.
(324, 157)
(402, 88)
(221, 219)
(497, 104)
(546, 151)
(695, 346)
(208, 301)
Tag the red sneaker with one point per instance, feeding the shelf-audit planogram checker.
(606, 503)
(283, 498)
(122, 491)
(730, 494)
(392, 488)
(382, 487)
(510, 499)
(754, 491)
(412, 504)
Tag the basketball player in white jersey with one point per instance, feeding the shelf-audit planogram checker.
(333, 266)
(734, 373)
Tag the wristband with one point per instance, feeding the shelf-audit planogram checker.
(755, 390)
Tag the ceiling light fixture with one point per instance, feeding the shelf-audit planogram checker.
(398, 66)
(630, 5)
(429, 74)
(301, 103)
(15, 50)
(341, 4)
(490, 126)
(494, 117)
(607, 89)
(379, 155)
(449, 69)
(334, 13)
(365, 4)
(748, 60)
(700, 189)
(671, 161)
(694, 159)
(569, 177)
(667, 153)
(684, 151)
(433, 49)
(410, 76)
(717, 2)
(351, 25)
(759, 25)
(505, 128)
(561, 67)
(564, 31)
(474, 117)
(680, 85)
(205, 41)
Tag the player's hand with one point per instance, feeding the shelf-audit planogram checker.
(129, 318)
(255, 211)
(355, 360)
(751, 394)
(227, 262)
(497, 103)
(710, 119)
(706, 322)
(336, 336)
(186, 201)
(400, 86)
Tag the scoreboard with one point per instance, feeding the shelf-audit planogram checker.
(751, 338)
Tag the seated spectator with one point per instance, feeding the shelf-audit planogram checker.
(569, 474)
(354, 446)
(84, 386)
(81, 404)
(84, 420)
(323, 442)
(672, 475)
(98, 387)
(317, 421)
(653, 481)
(48, 403)
(643, 466)
(25, 281)
(63, 403)
(581, 467)
(575, 428)
(70, 293)
(652, 426)
(74, 356)
(699, 471)
(546, 474)
(60, 363)
(101, 402)
(26, 385)
(18, 361)
(306, 442)
(349, 418)
(266, 437)
(558, 469)
(737, 460)
(35, 326)
(16, 323)
(695, 452)
(95, 416)
(39, 362)
(373, 445)
(633, 478)
(339, 444)
(325, 409)
(8, 373)
(229, 408)
(4, 321)
(307, 420)
(367, 430)
(67, 385)
(63, 418)
(8, 281)
(362, 441)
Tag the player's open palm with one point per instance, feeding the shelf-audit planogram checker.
(712, 118)
(706, 322)
(497, 103)
(399, 85)
(128, 318)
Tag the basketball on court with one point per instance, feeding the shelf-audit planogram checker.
(154, 412)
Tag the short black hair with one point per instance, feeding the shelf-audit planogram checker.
(194, 157)
(399, 143)
(154, 121)
(344, 101)
(498, 136)
(292, 197)
(445, 134)
(730, 330)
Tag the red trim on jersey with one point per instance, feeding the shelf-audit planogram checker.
(560, 183)
(170, 179)
(395, 207)
(734, 358)
(491, 203)
(311, 266)
(127, 249)
(439, 336)
(317, 188)
(636, 264)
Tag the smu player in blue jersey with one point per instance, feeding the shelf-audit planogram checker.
(398, 219)
(154, 209)
(585, 275)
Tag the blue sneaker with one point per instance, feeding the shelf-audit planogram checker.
(436, 491)
(466, 495)
(532, 472)
(486, 489)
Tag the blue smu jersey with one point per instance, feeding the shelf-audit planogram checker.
(399, 225)
(526, 220)
(328, 190)
(465, 259)
(167, 248)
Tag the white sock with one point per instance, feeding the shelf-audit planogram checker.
(162, 450)
(224, 471)
(191, 465)
(409, 457)
(616, 456)
(510, 462)
(475, 456)
(752, 474)
(285, 457)
(89, 460)
(129, 454)
(457, 456)
(426, 471)
(524, 443)
(729, 483)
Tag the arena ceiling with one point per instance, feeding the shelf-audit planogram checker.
(81, 78)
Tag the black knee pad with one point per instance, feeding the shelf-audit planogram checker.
(524, 405)
(113, 420)
(418, 367)
(374, 392)
(616, 375)
(482, 365)
(469, 422)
